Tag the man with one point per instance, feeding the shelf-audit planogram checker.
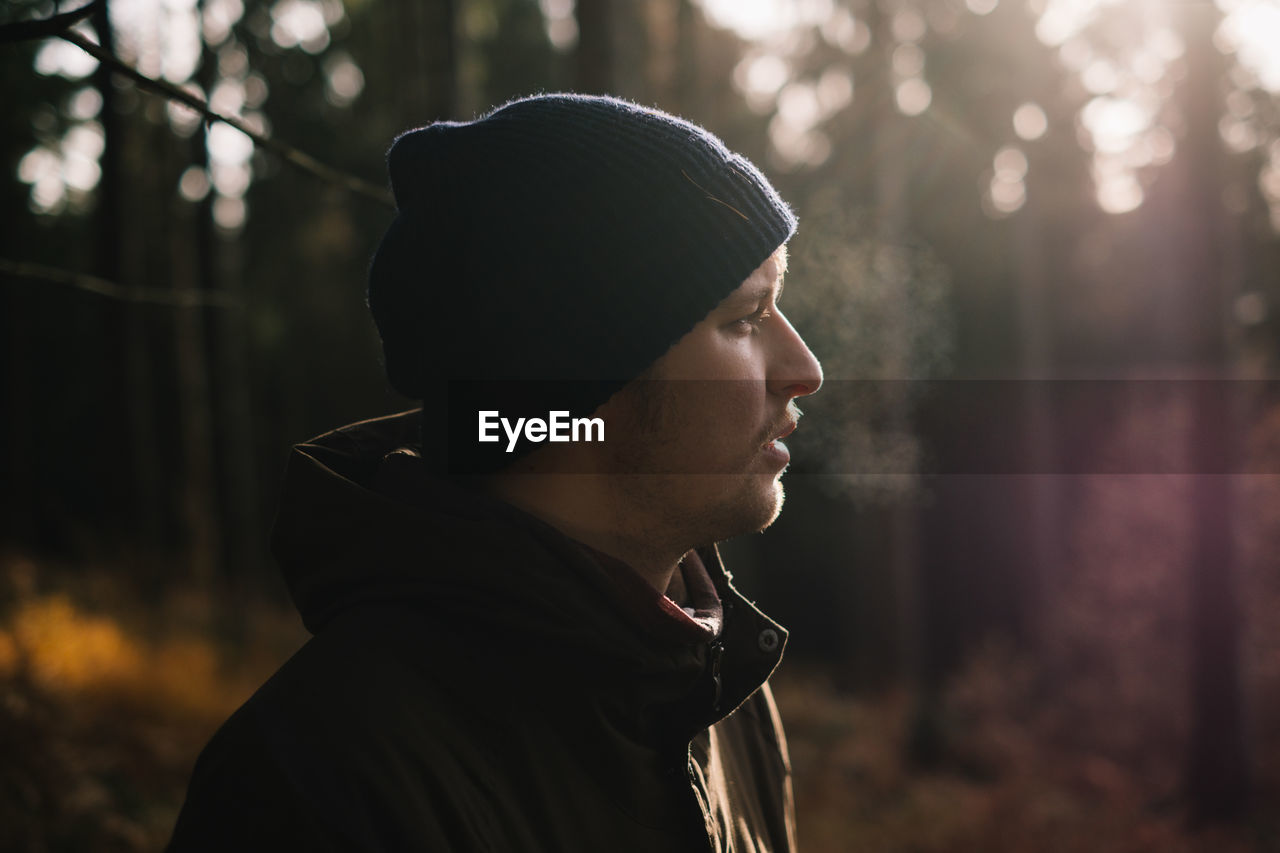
(524, 641)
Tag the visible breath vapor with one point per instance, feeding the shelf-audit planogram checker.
(870, 310)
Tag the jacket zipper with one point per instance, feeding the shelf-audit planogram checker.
(715, 655)
(701, 803)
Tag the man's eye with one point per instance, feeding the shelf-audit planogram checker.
(752, 321)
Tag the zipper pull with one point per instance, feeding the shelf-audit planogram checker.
(716, 653)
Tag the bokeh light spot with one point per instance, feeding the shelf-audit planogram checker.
(798, 105)
(181, 44)
(255, 90)
(761, 75)
(913, 96)
(1029, 121)
(1239, 135)
(227, 97)
(1099, 77)
(908, 25)
(85, 140)
(231, 180)
(233, 60)
(344, 81)
(65, 59)
(194, 184)
(846, 32)
(1010, 164)
(184, 120)
(755, 20)
(219, 16)
(1251, 29)
(228, 145)
(798, 146)
(560, 22)
(1114, 123)
(1119, 193)
(229, 213)
(299, 23)
(85, 104)
(1007, 196)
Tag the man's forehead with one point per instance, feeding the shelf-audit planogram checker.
(767, 280)
(773, 269)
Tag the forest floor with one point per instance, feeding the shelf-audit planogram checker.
(993, 786)
(105, 702)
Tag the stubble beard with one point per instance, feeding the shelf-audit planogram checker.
(688, 507)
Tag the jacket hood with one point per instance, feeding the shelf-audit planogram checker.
(362, 522)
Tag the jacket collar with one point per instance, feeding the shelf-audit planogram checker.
(361, 523)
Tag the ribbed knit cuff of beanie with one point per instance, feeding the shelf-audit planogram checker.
(548, 252)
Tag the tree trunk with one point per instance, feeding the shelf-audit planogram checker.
(890, 188)
(594, 60)
(685, 80)
(122, 259)
(1043, 490)
(426, 66)
(195, 415)
(235, 414)
(661, 21)
(1218, 776)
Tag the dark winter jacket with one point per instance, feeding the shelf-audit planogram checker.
(478, 681)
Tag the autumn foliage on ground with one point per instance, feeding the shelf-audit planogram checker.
(105, 703)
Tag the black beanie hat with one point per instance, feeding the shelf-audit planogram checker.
(544, 255)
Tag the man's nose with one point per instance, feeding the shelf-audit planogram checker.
(795, 371)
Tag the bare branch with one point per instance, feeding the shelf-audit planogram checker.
(45, 27)
(298, 158)
(111, 290)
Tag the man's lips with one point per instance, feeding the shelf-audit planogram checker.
(781, 433)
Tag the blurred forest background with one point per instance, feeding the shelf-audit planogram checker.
(1030, 551)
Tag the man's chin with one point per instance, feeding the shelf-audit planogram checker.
(710, 508)
(755, 509)
(779, 496)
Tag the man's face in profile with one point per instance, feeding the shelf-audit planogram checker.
(695, 440)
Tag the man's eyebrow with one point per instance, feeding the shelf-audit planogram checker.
(773, 289)
(756, 295)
